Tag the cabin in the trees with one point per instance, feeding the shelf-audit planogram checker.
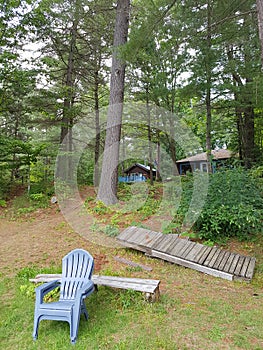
(200, 162)
(137, 173)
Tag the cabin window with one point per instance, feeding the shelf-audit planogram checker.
(203, 167)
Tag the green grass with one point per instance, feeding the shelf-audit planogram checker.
(195, 312)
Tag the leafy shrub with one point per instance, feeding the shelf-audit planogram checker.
(111, 230)
(226, 221)
(38, 197)
(3, 203)
(101, 209)
(234, 207)
(27, 288)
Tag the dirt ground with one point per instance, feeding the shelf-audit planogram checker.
(42, 239)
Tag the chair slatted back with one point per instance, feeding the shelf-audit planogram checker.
(77, 268)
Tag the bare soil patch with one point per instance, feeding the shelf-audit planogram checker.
(40, 239)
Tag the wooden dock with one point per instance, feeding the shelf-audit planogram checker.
(170, 247)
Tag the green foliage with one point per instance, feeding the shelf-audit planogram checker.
(234, 207)
(111, 230)
(37, 197)
(86, 169)
(27, 288)
(101, 208)
(3, 203)
(29, 203)
(129, 298)
(229, 221)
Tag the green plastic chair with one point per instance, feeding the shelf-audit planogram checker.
(75, 286)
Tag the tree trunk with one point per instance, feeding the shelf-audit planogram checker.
(97, 126)
(208, 90)
(149, 134)
(245, 118)
(158, 157)
(109, 175)
(260, 25)
(69, 85)
(64, 166)
(249, 137)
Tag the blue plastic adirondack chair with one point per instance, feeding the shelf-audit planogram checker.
(75, 286)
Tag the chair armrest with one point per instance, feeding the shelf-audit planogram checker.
(86, 290)
(44, 289)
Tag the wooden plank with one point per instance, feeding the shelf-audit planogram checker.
(172, 246)
(135, 246)
(192, 265)
(172, 242)
(165, 244)
(46, 277)
(212, 260)
(234, 263)
(204, 255)
(136, 236)
(219, 259)
(223, 261)
(139, 238)
(178, 247)
(155, 238)
(132, 263)
(138, 284)
(244, 267)
(210, 256)
(250, 269)
(200, 253)
(187, 249)
(149, 238)
(229, 262)
(124, 235)
(192, 254)
(157, 243)
(162, 241)
(239, 265)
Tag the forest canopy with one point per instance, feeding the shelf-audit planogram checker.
(199, 60)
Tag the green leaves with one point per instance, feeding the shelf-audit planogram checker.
(234, 207)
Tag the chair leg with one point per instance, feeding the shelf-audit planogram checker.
(84, 310)
(35, 330)
(74, 327)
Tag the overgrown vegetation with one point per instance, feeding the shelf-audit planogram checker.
(233, 207)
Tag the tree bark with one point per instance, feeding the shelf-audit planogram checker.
(64, 164)
(65, 123)
(260, 25)
(97, 126)
(109, 175)
(208, 90)
(245, 117)
(149, 134)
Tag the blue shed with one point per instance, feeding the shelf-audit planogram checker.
(137, 173)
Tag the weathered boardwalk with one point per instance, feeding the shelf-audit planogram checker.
(211, 260)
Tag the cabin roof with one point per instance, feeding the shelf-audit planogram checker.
(202, 157)
(143, 167)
